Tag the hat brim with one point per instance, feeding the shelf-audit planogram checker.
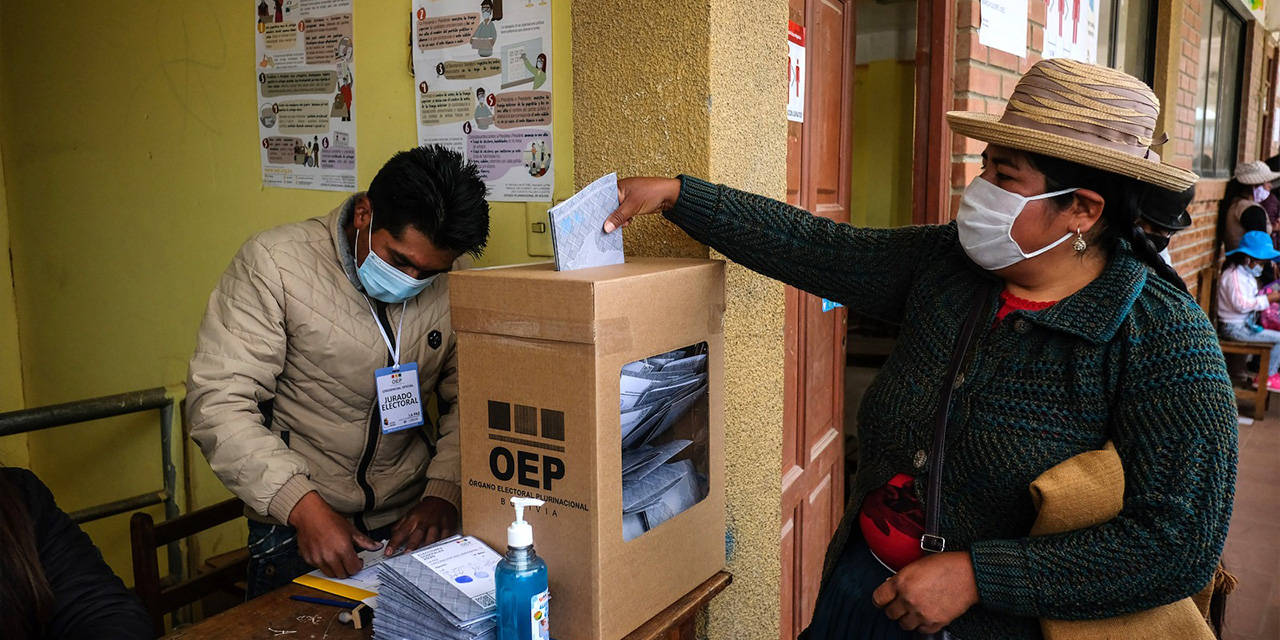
(988, 128)
(1262, 255)
(1265, 178)
(1183, 221)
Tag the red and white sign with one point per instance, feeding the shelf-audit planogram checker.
(796, 75)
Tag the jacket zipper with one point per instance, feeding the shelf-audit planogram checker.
(375, 429)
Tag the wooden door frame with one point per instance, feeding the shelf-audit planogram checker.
(846, 115)
(935, 66)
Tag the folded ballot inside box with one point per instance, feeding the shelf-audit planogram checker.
(600, 392)
(661, 474)
(444, 591)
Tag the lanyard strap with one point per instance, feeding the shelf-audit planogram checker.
(394, 350)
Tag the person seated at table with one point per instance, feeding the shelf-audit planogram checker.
(1239, 300)
(54, 583)
(300, 390)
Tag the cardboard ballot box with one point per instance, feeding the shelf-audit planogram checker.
(541, 357)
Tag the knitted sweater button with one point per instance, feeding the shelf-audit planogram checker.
(920, 459)
(959, 379)
(1021, 326)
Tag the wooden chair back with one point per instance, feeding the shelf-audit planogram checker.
(147, 536)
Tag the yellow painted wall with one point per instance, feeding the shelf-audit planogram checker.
(13, 449)
(687, 86)
(131, 158)
(883, 129)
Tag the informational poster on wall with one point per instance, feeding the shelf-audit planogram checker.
(483, 74)
(1004, 26)
(306, 94)
(1071, 30)
(795, 72)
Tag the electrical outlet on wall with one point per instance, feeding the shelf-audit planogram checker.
(537, 229)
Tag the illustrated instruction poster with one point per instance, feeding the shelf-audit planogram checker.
(306, 94)
(1071, 30)
(483, 74)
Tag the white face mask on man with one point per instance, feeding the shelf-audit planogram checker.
(985, 222)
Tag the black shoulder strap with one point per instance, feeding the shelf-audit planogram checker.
(931, 541)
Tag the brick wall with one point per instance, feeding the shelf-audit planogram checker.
(1194, 248)
(984, 78)
(1252, 92)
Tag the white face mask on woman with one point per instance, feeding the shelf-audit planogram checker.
(1260, 193)
(985, 221)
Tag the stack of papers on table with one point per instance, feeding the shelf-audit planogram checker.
(655, 394)
(441, 592)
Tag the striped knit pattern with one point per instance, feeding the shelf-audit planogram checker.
(1127, 358)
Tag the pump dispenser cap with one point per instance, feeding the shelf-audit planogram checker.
(520, 534)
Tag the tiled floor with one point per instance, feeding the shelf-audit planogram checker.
(1253, 542)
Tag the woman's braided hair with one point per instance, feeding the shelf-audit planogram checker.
(1124, 197)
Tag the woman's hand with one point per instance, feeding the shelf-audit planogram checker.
(930, 592)
(638, 196)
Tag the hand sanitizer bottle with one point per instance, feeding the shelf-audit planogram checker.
(521, 582)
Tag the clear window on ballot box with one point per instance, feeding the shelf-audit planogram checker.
(665, 424)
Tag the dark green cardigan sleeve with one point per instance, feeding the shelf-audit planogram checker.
(867, 270)
(1175, 431)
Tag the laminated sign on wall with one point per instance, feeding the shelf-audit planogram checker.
(795, 72)
(306, 94)
(483, 75)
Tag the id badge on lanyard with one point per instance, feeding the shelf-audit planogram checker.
(399, 396)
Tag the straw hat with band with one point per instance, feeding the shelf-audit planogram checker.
(1255, 173)
(1084, 113)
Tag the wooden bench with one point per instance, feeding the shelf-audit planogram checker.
(1207, 296)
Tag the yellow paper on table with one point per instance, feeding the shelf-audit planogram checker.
(363, 586)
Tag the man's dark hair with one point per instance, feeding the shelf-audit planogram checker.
(434, 191)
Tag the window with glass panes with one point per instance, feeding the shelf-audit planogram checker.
(1218, 90)
(1126, 37)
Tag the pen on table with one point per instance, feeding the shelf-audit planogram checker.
(345, 604)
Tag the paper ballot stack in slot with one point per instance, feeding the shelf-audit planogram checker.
(600, 392)
(441, 592)
(655, 393)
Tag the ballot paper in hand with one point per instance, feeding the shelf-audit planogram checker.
(577, 227)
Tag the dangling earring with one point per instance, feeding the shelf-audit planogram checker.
(1079, 245)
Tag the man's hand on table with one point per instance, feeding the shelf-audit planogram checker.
(433, 519)
(325, 538)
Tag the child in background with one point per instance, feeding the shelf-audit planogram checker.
(1239, 300)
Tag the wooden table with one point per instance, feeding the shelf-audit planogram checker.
(274, 616)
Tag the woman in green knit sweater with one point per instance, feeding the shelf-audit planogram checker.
(1089, 337)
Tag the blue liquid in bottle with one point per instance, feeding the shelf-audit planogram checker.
(520, 582)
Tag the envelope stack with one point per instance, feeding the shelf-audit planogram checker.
(655, 393)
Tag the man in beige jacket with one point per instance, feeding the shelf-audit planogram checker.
(301, 391)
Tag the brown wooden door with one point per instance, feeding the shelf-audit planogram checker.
(818, 177)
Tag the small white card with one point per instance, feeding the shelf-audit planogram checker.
(399, 398)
